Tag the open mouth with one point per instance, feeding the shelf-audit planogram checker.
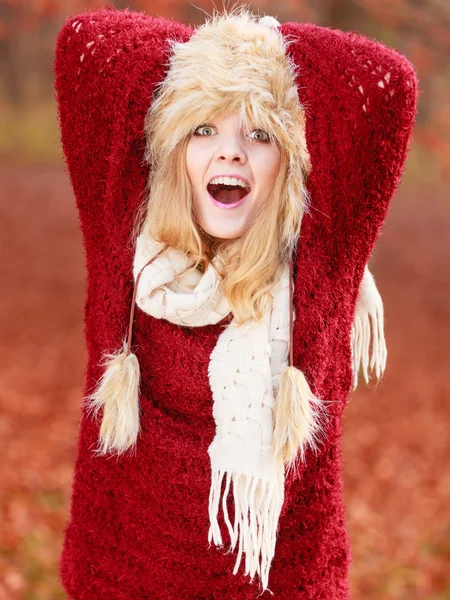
(227, 194)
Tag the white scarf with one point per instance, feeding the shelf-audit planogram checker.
(244, 374)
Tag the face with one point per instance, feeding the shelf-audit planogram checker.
(221, 148)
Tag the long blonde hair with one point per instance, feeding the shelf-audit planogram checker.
(230, 63)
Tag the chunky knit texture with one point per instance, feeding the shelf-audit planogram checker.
(138, 523)
(244, 372)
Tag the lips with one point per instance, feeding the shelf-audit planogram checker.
(231, 175)
(230, 201)
(227, 194)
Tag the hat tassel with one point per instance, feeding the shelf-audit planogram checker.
(297, 417)
(298, 412)
(117, 392)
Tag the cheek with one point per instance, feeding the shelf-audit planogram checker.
(190, 160)
(195, 164)
(270, 164)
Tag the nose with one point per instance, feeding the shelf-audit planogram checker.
(232, 150)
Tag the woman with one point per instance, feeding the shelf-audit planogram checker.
(270, 155)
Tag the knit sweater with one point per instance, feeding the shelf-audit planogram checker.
(138, 524)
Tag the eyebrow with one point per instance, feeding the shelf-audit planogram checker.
(207, 123)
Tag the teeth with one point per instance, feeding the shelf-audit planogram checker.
(229, 181)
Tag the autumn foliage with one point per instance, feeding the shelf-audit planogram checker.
(396, 443)
(420, 30)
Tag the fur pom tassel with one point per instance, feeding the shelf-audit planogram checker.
(117, 393)
(368, 326)
(297, 417)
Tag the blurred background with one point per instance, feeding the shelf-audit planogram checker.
(396, 442)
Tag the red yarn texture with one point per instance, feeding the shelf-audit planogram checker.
(139, 523)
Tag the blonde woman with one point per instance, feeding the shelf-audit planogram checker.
(231, 183)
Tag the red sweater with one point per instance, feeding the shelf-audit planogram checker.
(138, 524)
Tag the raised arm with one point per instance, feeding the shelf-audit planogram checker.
(106, 65)
(360, 97)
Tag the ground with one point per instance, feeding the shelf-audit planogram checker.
(396, 442)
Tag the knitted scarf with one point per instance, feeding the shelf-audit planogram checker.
(244, 372)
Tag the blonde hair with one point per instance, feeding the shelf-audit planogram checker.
(230, 63)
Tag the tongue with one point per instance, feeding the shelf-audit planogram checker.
(228, 196)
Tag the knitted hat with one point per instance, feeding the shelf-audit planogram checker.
(235, 62)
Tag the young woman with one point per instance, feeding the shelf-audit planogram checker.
(231, 182)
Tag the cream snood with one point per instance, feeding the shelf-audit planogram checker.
(244, 372)
(265, 412)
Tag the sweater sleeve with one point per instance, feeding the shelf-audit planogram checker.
(88, 79)
(382, 88)
(360, 97)
(100, 60)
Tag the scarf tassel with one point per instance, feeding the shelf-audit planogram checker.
(257, 505)
(368, 331)
(298, 417)
(117, 393)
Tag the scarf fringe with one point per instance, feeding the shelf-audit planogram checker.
(368, 332)
(117, 393)
(298, 417)
(257, 505)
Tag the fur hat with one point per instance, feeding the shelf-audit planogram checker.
(235, 62)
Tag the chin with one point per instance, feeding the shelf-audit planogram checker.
(220, 229)
(221, 234)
